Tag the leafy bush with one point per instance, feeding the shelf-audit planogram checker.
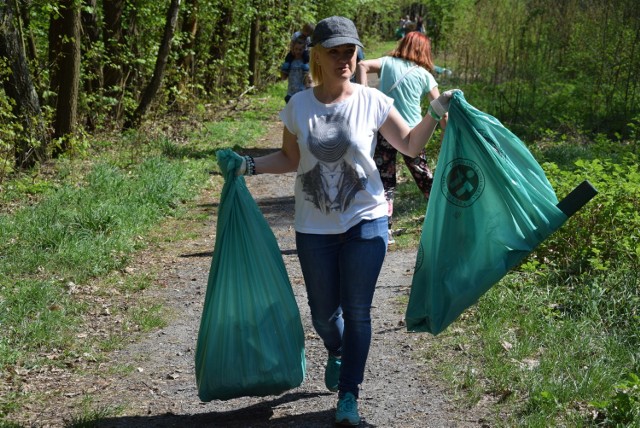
(594, 257)
(8, 130)
(623, 408)
(607, 231)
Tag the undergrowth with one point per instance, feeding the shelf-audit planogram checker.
(70, 228)
(555, 342)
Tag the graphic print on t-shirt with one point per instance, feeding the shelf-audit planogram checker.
(333, 182)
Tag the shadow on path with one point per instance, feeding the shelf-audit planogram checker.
(256, 416)
(278, 211)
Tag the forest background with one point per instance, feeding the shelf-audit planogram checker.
(134, 77)
(72, 68)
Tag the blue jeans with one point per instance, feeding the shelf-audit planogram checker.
(340, 272)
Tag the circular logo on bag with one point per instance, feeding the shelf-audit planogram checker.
(462, 182)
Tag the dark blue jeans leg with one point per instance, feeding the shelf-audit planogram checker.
(340, 273)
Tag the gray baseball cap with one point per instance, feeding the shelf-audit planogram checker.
(335, 31)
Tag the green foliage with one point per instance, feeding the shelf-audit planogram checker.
(623, 408)
(380, 49)
(4, 424)
(581, 242)
(535, 65)
(326, 8)
(88, 415)
(9, 128)
(548, 64)
(72, 235)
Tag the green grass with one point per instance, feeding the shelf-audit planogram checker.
(379, 48)
(67, 234)
(88, 415)
(555, 343)
(541, 366)
(81, 232)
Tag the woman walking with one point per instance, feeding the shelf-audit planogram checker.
(406, 75)
(340, 208)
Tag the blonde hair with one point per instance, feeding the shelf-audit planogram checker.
(314, 67)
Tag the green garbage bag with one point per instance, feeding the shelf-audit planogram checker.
(251, 341)
(490, 205)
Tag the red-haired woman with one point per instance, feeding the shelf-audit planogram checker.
(406, 75)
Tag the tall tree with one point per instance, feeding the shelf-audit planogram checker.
(220, 38)
(18, 85)
(93, 77)
(64, 56)
(161, 62)
(114, 44)
(32, 52)
(254, 50)
(189, 30)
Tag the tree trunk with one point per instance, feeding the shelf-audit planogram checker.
(35, 64)
(18, 85)
(218, 49)
(190, 29)
(64, 53)
(32, 52)
(254, 47)
(94, 79)
(114, 41)
(185, 63)
(55, 48)
(161, 62)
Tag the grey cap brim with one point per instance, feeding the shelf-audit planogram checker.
(337, 41)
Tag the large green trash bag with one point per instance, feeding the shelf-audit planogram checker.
(490, 205)
(251, 341)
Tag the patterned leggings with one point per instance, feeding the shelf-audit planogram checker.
(385, 158)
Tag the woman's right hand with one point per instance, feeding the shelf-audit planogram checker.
(228, 160)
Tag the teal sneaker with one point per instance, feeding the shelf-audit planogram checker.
(332, 373)
(347, 412)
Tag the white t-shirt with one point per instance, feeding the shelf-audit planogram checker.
(338, 184)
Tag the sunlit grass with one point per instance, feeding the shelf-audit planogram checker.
(555, 343)
(67, 238)
(551, 345)
(87, 415)
(544, 349)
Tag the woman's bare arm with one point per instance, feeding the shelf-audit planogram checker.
(284, 160)
(404, 139)
(433, 94)
(367, 66)
(411, 141)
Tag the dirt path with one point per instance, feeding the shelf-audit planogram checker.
(160, 391)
